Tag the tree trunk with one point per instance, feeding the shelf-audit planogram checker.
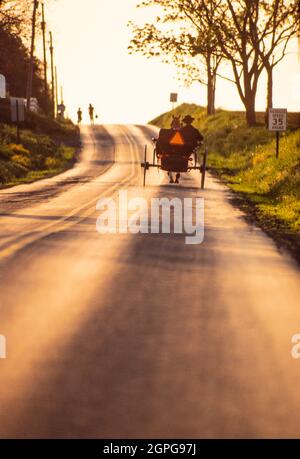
(210, 97)
(249, 102)
(211, 88)
(213, 96)
(213, 101)
(250, 112)
(270, 87)
(269, 70)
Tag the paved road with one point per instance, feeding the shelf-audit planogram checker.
(136, 336)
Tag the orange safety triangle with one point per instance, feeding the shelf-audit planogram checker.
(177, 139)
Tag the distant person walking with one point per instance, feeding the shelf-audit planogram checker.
(92, 114)
(79, 116)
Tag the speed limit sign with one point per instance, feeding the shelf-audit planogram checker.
(277, 119)
(173, 97)
(277, 123)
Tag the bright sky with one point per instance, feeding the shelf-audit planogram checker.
(91, 39)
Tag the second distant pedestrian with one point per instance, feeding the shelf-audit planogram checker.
(79, 116)
(92, 114)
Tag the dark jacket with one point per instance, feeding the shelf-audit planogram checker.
(191, 134)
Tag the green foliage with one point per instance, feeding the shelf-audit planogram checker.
(5, 152)
(43, 124)
(47, 149)
(15, 25)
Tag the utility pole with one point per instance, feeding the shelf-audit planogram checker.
(45, 53)
(56, 89)
(31, 62)
(52, 76)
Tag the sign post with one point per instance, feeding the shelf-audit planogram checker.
(173, 98)
(277, 123)
(2, 87)
(17, 113)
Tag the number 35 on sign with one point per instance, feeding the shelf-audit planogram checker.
(277, 119)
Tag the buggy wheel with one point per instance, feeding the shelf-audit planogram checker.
(203, 169)
(154, 156)
(145, 166)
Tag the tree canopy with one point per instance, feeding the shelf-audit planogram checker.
(252, 35)
(15, 25)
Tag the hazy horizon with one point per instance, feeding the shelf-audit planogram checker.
(94, 66)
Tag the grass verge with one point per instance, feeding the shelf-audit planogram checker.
(47, 147)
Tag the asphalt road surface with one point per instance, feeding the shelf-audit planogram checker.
(138, 336)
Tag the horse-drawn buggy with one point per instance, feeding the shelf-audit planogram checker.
(175, 153)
